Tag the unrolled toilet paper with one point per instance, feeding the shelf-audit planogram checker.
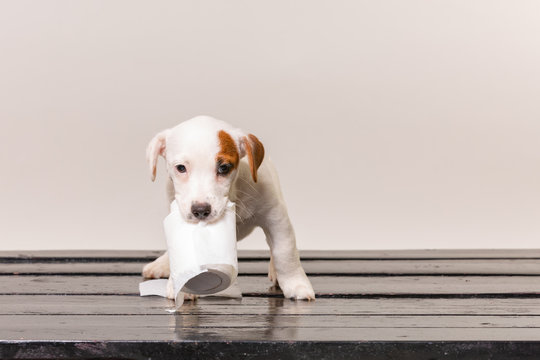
(202, 256)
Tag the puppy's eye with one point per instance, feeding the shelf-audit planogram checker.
(181, 168)
(224, 169)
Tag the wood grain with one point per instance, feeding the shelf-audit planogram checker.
(260, 286)
(154, 305)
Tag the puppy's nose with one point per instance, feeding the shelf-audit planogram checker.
(201, 210)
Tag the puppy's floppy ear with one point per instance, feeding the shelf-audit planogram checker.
(156, 147)
(254, 149)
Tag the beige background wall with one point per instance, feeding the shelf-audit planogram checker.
(394, 124)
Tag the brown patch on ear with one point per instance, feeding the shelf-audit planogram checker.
(255, 154)
(228, 152)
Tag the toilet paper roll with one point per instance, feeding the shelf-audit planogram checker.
(202, 256)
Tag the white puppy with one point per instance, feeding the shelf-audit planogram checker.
(210, 162)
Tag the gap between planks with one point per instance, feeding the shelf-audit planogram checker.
(256, 255)
(316, 267)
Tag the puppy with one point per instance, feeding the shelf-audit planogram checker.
(210, 162)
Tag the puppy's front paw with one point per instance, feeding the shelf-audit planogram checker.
(298, 289)
(302, 292)
(156, 269)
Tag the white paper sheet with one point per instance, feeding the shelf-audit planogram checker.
(203, 257)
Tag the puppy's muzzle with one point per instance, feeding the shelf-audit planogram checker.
(201, 210)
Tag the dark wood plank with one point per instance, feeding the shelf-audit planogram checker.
(216, 349)
(260, 286)
(312, 267)
(72, 268)
(277, 328)
(153, 305)
(148, 255)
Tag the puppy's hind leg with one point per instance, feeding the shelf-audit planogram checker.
(158, 268)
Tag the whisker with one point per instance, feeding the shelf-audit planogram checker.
(246, 194)
(243, 192)
(251, 185)
(243, 207)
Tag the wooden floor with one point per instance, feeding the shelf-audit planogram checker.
(453, 304)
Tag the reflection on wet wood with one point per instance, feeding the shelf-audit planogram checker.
(281, 328)
(154, 305)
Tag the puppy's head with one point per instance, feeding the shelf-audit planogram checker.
(202, 156)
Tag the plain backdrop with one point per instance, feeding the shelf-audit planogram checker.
(393, 124)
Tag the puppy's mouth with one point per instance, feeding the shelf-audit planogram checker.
(195, 212)
(213, 216)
